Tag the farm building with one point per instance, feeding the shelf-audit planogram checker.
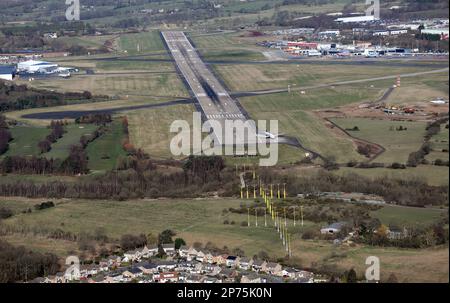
(333, 228)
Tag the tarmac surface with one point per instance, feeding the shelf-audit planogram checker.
(218, 107)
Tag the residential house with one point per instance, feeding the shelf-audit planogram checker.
(169, 249)
(148, 252)
(209, 279)
(165, 277)
(183, 251)
(215, 270)
(200, 257)
(166, 265)
(208, 268)
(245, 263)
(148, 268)
(232, 261)
(289, 272)
(220, 259)
(103, 265)
(228, 275)
(88, 270)
(132, 255)
(116, 276)
(258, 265)
(209, 258)
(272, 268)
(185, 266)
(251, 278)
(132, 273)
(198, 269)
(114, 261)
(194, 278)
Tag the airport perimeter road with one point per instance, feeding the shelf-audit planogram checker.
(213, 98)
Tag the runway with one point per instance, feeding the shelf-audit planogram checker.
(218, 107)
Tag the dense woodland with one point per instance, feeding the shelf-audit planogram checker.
(21, 264)
(146, 178)
(18, 97)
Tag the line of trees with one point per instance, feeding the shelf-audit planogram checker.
(418, 157)
(57, 132)
(405, 191)
(5, 135)
(101, 118)
(28, 165)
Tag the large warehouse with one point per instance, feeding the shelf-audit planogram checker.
(7, 72)
(33, 66)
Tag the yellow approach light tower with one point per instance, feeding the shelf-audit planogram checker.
(301, 213)
(247, 192)
(271, 191)
(284, 190)
(279, 195)
(265, 217)
(293, 209)
(254, 192)
(285, 218)
(242, 194)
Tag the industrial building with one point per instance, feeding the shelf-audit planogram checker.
(357, 19)
(43, 67)
(34, 66)
(7, 72)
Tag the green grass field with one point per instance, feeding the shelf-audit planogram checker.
(408, 216)
(121, 65)
(234, 54)
(420, 89)
(25, 140)
(433, 175)
(197, 220)
(439, 143)
(87, 41)
(313, 134)
(312, 99)
(150, 128)
(145, 42)
(227, 47)
(398, 144)
(105, 150)
(113, 85)
(61, 148)
(290, 111)
(248, 77)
